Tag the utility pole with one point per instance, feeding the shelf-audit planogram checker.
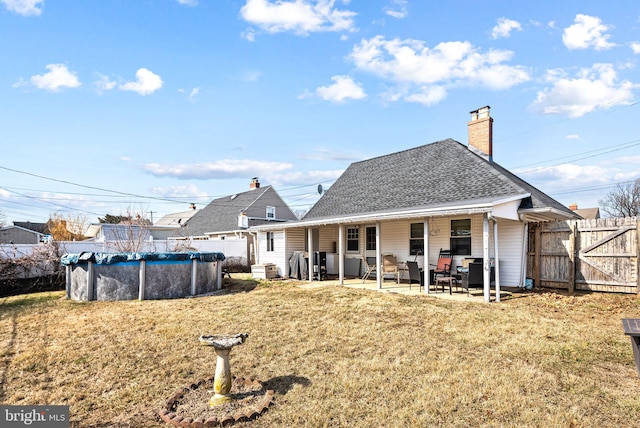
(152, 212)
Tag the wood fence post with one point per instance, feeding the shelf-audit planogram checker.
(537, 256)
(572, 256)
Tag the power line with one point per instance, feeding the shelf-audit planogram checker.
(85, 186)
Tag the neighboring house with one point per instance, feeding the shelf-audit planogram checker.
(177, 219)
(19, 234)
(230, 217)
(128, 232)
(412, 203)
(586, 213)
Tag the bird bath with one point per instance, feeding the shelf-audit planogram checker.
(222, 380)
(188, 407)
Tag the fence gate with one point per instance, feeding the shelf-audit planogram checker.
(595, 255)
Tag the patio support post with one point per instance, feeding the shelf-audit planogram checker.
(310, 264)
(486, 280)
(341, 253)
(497, 259)
(425, 257)
(378, 258)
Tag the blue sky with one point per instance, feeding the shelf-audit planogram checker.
(149, 105)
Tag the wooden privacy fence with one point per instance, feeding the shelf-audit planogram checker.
(594, 255)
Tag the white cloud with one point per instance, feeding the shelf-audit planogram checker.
(635, 47)
(146, 83)
(24, 7)
(222, 169)
(397, 9)
(331, 154)
(587, 32)
(104, 83)
(299, 16)
(56, 78)
(573, 137)
(592, 88)
(192, 93)
(342, 89)
(426, 73)
(179, 191)
(188, 2)
(249, 35)
(251, 75)
(504, 27)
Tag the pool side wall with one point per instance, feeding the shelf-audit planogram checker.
(162, 280)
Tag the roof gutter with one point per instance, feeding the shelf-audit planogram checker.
(544, 214)
(399, 215)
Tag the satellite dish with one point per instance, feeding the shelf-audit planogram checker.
(320, 189)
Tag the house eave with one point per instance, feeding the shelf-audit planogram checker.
(387, 216)
(538, 215)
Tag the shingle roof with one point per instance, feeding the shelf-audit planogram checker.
(175, 219)
(221, 215)
(36, 227)
(444, 173)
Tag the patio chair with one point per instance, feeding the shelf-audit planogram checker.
(370, 267)
(390, 266)
(415, 274)
(443, 268)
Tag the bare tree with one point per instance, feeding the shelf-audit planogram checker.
(623, 201)
(3, 219)
(130, 234)
(67, 228)
(35, 270)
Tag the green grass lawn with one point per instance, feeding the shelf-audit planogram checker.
(336, 357)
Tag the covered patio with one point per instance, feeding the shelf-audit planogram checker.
(392, 286)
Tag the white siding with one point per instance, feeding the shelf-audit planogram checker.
(510, 236)
(277, 256)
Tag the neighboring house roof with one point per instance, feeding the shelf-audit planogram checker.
(36, 227)
(19, 235)
(176, 219)
(433, 176)
(221, 215)
(588, 213)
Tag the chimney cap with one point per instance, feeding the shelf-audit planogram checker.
(481, 108)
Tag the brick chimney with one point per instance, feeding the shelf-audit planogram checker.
(573, 206)
(481, 133)
(255, 184)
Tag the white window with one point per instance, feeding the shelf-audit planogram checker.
(270, 243)
(353, 239)
(271, 212)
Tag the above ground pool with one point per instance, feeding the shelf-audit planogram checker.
(128, 276)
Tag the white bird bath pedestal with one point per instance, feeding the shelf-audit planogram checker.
(222, 380)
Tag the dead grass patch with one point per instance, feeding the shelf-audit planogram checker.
(334, 357)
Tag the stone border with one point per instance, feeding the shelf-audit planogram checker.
(241, 415)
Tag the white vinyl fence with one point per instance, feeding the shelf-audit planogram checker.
(233, 250)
